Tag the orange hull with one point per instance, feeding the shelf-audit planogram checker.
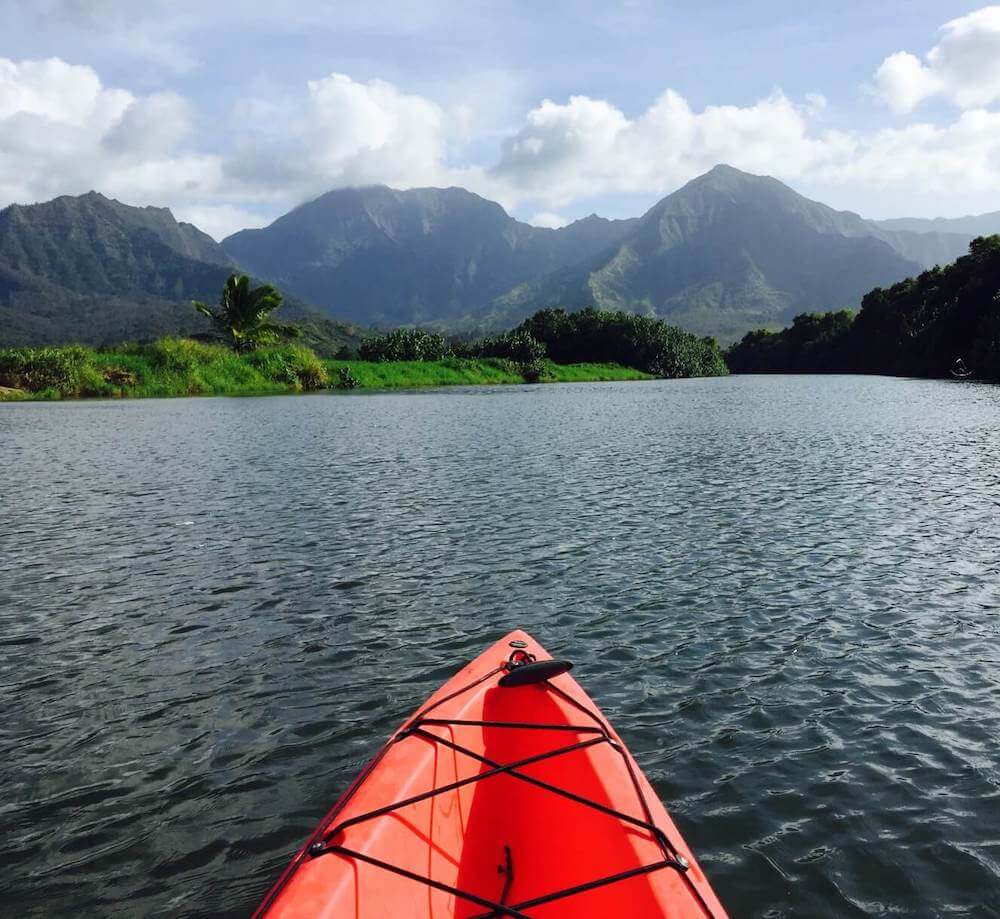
(539, 812)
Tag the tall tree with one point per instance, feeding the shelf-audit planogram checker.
(243, 316)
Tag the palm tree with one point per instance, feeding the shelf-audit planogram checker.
(243, 316)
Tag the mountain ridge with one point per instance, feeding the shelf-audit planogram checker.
(726, 252)
(93, 270)
(451, 249)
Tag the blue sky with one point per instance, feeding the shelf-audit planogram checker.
(233, 112)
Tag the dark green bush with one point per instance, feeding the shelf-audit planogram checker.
(296, 365)
(518, 346)
(36, 369)
(119, 376)
(405, 345)
(603, 336)
(346, 379)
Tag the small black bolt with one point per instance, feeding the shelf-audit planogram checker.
(317, 848)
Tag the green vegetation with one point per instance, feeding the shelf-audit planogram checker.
(919, 327)
(456, 371)
(243, 317)
(813, 343)
(551, 346)
(182, 367)
(554, 337)
(169, 367)
(405, 345)
(643, 342)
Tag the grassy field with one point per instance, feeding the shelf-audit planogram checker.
(461, 372)
(181, 367)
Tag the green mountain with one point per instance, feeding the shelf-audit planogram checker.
(727, 252)
(93, 270)
(381, 256)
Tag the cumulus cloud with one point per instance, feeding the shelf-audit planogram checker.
(958, 159)
(63, 132)
(351, 133)
(149, 125)
(587, 146)
(963, 67)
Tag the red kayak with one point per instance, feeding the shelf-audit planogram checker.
(506, 794)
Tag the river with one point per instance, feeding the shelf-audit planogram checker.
(783, 591)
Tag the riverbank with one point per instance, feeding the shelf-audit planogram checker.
(182, 367)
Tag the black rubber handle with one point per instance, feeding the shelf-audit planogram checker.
(535, 672)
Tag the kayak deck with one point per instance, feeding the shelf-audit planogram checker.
(498, 800)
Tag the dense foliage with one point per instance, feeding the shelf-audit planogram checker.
(38, 369)
(813, 343)
(405, 345)
(588, 336)
(643, 342)
(919, 327)
(518, 346)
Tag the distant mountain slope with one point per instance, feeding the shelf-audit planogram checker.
(376, 255)
(93, 270)
(927, 248)
(94, 245)
(727, 252)
(971, 226)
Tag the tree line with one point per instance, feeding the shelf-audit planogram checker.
(945, 320)
(587, 336)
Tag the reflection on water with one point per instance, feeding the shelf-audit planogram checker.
(783, 591)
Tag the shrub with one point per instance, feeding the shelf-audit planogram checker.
(36, 369)
(532, 371)
(295, 365)
(119, 376)
(182, 355)
(346, 379)
(405, 345)
(518, 346)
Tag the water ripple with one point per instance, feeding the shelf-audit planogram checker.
(783, 591)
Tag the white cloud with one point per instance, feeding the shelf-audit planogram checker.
(150, 125)
(63, 132)
(548, 220)
(959, 160)
(60, 93)
(220, 220)
(963, 67)
(350, 133)
(589, 147)
(368, 132)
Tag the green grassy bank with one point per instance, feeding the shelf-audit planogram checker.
(181, 367)
(466, 372)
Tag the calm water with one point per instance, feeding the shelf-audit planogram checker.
(784, 592)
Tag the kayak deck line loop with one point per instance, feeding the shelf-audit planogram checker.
(534, 672)
(431, 729)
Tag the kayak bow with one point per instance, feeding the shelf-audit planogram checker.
(507, 794)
